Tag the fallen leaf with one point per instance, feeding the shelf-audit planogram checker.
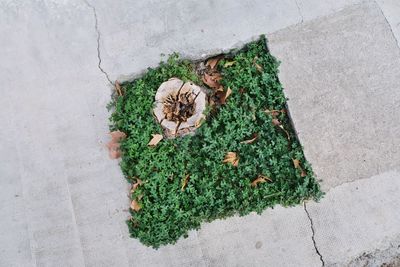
(114, 146)
(185, 182)
(286, 132)
(228, 93)
(135, 205)
(136, 185)
(231, 157)
(250, 141)
(117, 136)
(155, 140)
(296, 164)
(260, 179)
(212, 80)
(274, 112)
(200, 121)
(114, 150)
(212, 62)
(258, 67)
(118, 88)
(224, 95)
(276, 122)
(229, 63)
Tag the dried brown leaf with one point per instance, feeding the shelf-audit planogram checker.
(136, 185)
(118, 88)
(260, 179)
(114, 146)
(286, 132)
(276, 122)
(155, 140)
(258, 67)
(117, 136)
(232, 158)
(212, 80)
(200, 121)
(274, 112)
(135, 205)
(228, 93)
(223, 95)
(296, 164)
(114, 150)
(185, 182)
(212, 62)
(250, 141)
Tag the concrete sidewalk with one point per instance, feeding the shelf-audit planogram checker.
(64, 203)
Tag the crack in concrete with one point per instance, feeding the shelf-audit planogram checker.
(96, 26)
(313, 235)
(390, 25)
(298, 8)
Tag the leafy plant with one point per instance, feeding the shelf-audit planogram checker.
(245, 157)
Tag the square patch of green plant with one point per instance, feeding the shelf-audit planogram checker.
(244, 156)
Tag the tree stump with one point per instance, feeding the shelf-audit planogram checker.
(179, 107)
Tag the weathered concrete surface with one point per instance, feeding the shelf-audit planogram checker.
(14, 232)
(269, 239)
(389, 257)
(311, 9)
(238, 241)
(391, 10)
(359, 218)
(53, 112)
(136, 33)
(63, 202)
(342, 77)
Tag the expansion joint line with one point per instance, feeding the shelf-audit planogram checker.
(298, 8)
(388, 24)
(96, 26)
(313, 234)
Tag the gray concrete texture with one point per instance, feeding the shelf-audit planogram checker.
(64, 203)
(342, 77)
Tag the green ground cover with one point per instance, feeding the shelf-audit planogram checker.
(184, 180)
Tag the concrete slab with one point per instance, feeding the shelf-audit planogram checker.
(14, 233)
(254, 240)
(64, 202)
(391, 10)
(266, 240)
(130, 44)
(311, 9)
(134, 34)
(358, 219)
(55, 101)
(341, 75)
